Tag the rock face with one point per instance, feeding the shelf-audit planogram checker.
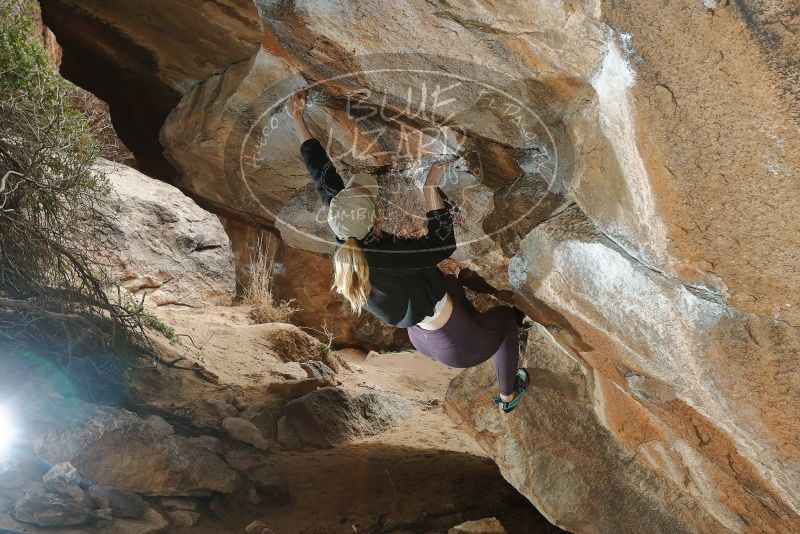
(693, 387)
(629, 169)
(259, 414)
(330, 416)
(680, 395)
(104, 442)
(50, 510)
(489, 525)
(121, 503)
(151, 523)
(63, 479)
(245, 431)
(165, 246)
(556, 450)
(142, 69)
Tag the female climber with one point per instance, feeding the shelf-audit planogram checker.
(397, 278)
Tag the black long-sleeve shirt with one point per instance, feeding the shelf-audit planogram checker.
(406, 284)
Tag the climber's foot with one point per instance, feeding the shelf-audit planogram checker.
(523, 381)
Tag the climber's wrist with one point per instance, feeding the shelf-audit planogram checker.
(299, 121)
(301, 128)
(433, 199)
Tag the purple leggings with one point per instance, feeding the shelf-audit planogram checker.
(469, 338)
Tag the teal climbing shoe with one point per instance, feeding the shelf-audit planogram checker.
(523, 381)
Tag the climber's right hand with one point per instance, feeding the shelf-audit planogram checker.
(296, 103)
(436, 172)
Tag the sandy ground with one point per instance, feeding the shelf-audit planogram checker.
(241, 355)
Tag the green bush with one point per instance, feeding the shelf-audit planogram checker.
(50, 288)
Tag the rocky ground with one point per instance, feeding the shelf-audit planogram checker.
(256, 423)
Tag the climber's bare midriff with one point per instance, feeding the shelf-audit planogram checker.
(440, 320)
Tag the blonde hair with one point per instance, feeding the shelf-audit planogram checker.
(351, 274)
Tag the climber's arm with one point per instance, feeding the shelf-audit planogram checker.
(319, 165)
(321, 169)
(295, 107)
(440, 242)
(430, 188)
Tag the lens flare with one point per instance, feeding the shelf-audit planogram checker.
(8, 431)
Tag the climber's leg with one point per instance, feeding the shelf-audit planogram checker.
(466, 341)
(501, 322)
(454, 342)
